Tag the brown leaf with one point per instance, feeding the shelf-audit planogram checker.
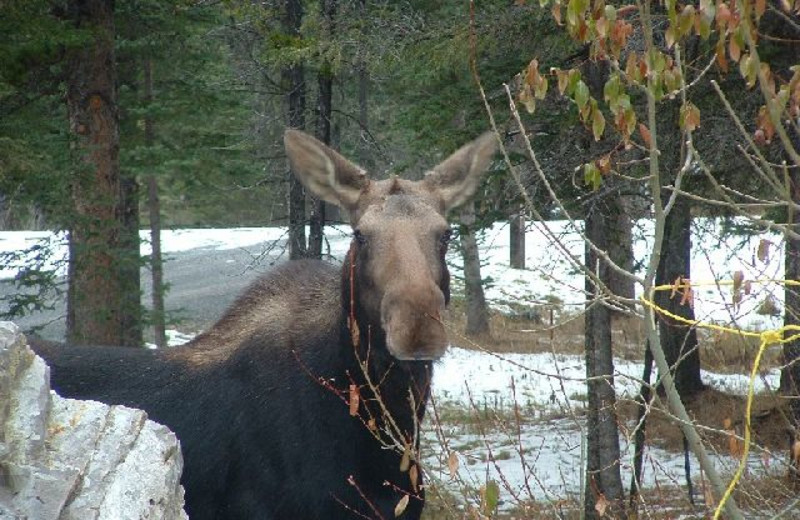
(734, 50)
(452, 464)
(748, 287)
(738, 278)
(604, 164)
(405, 462)
(372, 425)
(601, 505)
(413, 476)
(355, 333)
(761, 6)
(722, 60)
(645, 134)
(556, 10)
(688, 295)
(401, 506)
(708, 496)
(763, 250)
(355, 398)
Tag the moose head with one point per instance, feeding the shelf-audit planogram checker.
(400, 236)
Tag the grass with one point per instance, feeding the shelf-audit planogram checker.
(553, 329)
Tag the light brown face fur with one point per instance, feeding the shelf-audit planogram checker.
(400, 233)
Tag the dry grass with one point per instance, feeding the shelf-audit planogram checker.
(716, 412)
(549, 328)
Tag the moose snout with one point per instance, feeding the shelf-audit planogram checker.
(412, 320)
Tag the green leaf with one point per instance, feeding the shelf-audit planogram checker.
(491, 497)
(592, 176)
(581, 94)
(574, 78)
(598, 123)
(612, 88)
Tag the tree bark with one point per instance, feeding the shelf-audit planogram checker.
(323, 131)
(158, 316)
(790, 373)
(679, 341)
(295, 86)
(603, 479)
(517, 240)
(477, 311)
(95, 287)
(620, 249)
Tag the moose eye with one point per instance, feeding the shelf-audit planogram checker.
(445, 238)
(359, 237)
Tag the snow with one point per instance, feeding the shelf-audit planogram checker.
(548, 387)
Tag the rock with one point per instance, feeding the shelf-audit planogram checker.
(65, 459)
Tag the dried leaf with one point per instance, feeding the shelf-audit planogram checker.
(601, 505)
(643, 130)
(738, 278)
(413, 476)
(355, 399)
(556, 11)
(748, 287)
(761, 6)
(355, 333)
(401, 506)
(688, 295)
(763, 250)
(708, 496)
(405, 462)
(604, 164)
(734, 50)
(452, 464)
(372, 425)
(689, 117)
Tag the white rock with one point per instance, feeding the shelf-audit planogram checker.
(65, 459)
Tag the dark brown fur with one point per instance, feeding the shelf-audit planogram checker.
(304, 400)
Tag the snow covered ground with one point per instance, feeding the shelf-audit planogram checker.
(545, 385)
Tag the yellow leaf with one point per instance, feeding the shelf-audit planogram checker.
(413, 476)
(401, 506)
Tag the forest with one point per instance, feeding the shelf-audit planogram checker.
(613, 119)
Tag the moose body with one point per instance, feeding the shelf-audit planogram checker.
(304, 400)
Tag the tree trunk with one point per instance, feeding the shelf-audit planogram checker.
(620, 249)
(603, 479)
(130, 263)
(679, 341)
(295, 85)
(158, 316)
(94, 312)
(790, 373)
(323, 132)
(477, 311)
(517, 240)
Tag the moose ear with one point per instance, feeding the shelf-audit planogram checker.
(458, 176)
(323, 171)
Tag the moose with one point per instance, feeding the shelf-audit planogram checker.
(304, 400)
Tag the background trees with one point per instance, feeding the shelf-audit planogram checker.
(659, 112)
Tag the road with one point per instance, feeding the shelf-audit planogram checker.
(202, 283)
